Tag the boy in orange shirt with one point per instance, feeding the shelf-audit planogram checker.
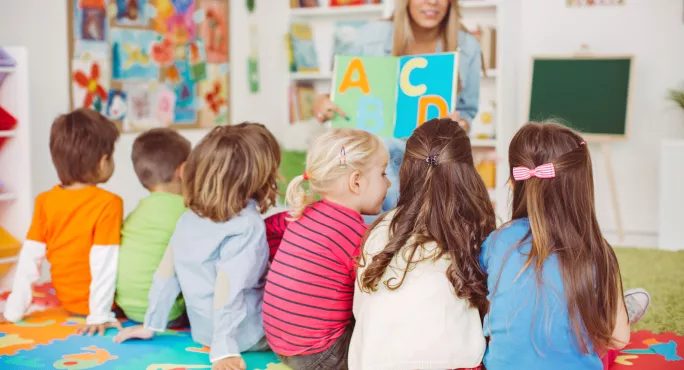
(76, 225)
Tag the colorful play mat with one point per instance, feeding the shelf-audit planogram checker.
(46, 340)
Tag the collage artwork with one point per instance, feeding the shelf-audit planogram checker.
(149, 63)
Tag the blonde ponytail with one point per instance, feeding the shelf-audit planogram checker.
(333, 154)
(297, 197)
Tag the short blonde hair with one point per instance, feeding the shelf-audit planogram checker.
(227, 168)
(325, 163)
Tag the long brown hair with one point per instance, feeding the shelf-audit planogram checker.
(563, 222)
(446, 203)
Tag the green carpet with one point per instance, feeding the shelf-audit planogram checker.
(661, 273)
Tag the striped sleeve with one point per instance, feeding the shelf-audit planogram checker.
(275, 229)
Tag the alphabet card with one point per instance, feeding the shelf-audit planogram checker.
(391, 96)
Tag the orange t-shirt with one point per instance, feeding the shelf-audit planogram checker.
(69, 222)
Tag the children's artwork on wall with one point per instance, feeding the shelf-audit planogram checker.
(214, 93)
(89, 30)
(90, 83)
(151, 63)
(575, 3)
(117, 106)
(131, 12)
(131, 55)
(214, 30)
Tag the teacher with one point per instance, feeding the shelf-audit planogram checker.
(418, 27)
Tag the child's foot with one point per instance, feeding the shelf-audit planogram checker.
(637, 302)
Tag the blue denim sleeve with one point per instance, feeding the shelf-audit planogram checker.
(469, 98)
(243, 259)
(483, 253)
(163, 294)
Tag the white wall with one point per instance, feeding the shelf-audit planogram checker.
(41, 26)
(652, 31)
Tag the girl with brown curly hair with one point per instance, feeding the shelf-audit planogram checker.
(420, 288)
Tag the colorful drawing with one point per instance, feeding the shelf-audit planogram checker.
(197, 56)
(164, 46)
(131, 12)
(131, 58)
(162, 52)
(166, 106)
(90, 28)
(180, 26)
(214, 95)
(116, 105)
(185, 94)
(391, 96)
(214, 30)
(86, 360)
(140, 102)
(90, 83)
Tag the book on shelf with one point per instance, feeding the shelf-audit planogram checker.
(486, 36)
(303, 48)
(391, 96)
(345, 36)
(303, 4)
(485, 165)
(353, 2)
(302, 96)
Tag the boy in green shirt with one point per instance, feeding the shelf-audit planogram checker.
(158, 156)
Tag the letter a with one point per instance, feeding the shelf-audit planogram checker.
(424, 102)
(355, 65)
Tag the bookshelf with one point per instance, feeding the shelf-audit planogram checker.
(15, 170)
(480, 16)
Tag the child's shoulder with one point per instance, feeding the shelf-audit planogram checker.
(510, 233)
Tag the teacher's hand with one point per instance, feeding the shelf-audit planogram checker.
(324, 110)
(456, 116)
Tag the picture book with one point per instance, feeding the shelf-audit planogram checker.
(303, 48)
(391, 96)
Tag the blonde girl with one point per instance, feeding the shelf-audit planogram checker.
(308, 300)
(420, 286)
(220, 244)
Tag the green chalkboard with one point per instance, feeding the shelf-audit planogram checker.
(588, 94)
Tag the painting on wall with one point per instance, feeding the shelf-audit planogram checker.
(151, 63)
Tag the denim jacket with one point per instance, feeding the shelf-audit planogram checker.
(375, 39)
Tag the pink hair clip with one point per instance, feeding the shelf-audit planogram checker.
(545, 171)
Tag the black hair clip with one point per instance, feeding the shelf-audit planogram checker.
(431, 160)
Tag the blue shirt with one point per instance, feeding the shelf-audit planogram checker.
(375, 39)
(219, 267)
(528, 326)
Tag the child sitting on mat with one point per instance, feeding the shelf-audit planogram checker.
(419, 281)
(554, 282)
(218, 255)
(76, 225)
(158, 156)
(308, 299)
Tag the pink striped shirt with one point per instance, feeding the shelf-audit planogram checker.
(310, 286)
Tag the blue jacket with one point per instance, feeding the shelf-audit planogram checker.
(375, 39)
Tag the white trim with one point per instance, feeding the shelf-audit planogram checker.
(28, 272)
(104, 260)
(225, 356)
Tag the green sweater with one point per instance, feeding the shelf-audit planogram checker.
(144, 237)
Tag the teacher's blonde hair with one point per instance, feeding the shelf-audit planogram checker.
(327, 162)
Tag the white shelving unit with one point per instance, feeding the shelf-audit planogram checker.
(473, 12)
(16, 200)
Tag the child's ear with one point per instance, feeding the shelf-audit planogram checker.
(355, 182)
(179, 171)
(104, 162)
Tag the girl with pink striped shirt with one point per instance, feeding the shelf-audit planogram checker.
(307, 310)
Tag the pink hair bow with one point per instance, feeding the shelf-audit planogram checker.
(545, 171)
